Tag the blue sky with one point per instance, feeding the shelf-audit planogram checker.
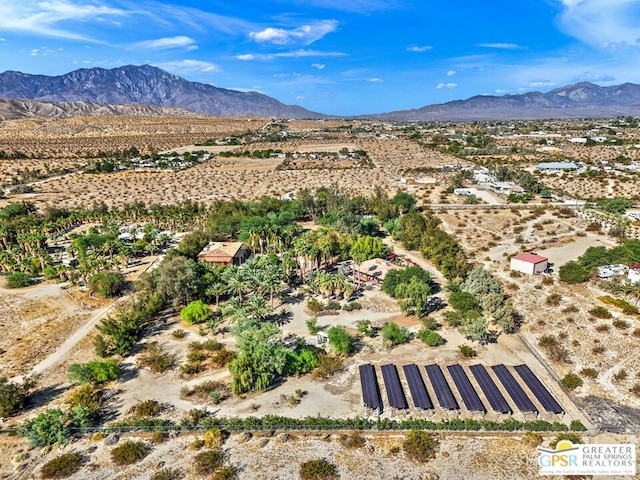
(336, 56)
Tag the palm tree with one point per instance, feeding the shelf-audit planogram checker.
(236, 281)
(235, 308)
(215, 290)
(257, 307)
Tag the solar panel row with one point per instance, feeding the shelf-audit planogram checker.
(395, 393)
(370, 389)
(538, 389)
(467, 392)
(421, 398)
(441, 387)
(514, 389)
(496, 399)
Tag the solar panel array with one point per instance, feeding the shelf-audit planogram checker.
(514, 389)
(467, 392)
(538, 389)
(395, 393)
(421, 398)
(441, 387)
(496, 399)
(444, 393)
(370, 389)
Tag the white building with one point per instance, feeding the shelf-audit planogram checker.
(462, 191)
(529, 263)
(556, 166)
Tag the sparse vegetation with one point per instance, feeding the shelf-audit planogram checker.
(319, 469)
(420, 446)
(129, 452)
(63, 465)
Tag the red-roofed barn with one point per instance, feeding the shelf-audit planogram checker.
(529, 263)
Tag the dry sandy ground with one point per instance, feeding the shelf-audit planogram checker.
(459, 456)
(34, 321)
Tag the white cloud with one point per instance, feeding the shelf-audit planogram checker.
(305, 34)
(418, 49)
(451, 73)
(593, 77)
(190, 66)
(446, 85)
(319, 66)
(292, 54)
(541, 83)
(34, 52)
(3, 39)
(44, 18)
(375, 80)
(503, 46)
(604, 23)
(180, 41)
(502, 91)
(359, 6)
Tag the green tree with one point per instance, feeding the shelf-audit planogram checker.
(474, 328)
(404, 201)
(573, 272)
(463, 302)
(13, 396)
(107, 284)
(196, 312)
(413, 296)
(340, 340)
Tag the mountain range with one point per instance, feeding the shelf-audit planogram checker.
(144, 85)
(147, 90)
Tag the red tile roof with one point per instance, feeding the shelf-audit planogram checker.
(530, 258)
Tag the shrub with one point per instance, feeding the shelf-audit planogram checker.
(622, 304)
(636, 332)
(179, 333)
(352, 306)
(600, 312)
(571, 381)
(158, 436)
(328, 365)
(107, 284)
(531, 439)
(554, 299)
(572, 437)
(156, 358)
(226, 473)
(214, 438)
(355, 440)
(340, 340)
(333, 305)
(589, 372)
(13, 396)
(129, 452)
(364, 328)
(467, 351)
(553, 349)
(393, 335)
(620, 324)
(420, 446)
(312, 325)
(85, 395)
(573, 272)
(95, 371)
(168, 474)
(431, 338)
(464, 301)
(63, 465)
(203, 390)
(46, 429)
(620, 375)
(635, 389)
(319, 469)
(148, 408)
(18, 280)
(196, 312)
(314, 305)
(207, 462)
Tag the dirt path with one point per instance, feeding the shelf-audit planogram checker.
(415, 257)
(63, 350)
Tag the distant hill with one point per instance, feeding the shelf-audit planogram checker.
(581, 100)
(144, 85)
(15, 108)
